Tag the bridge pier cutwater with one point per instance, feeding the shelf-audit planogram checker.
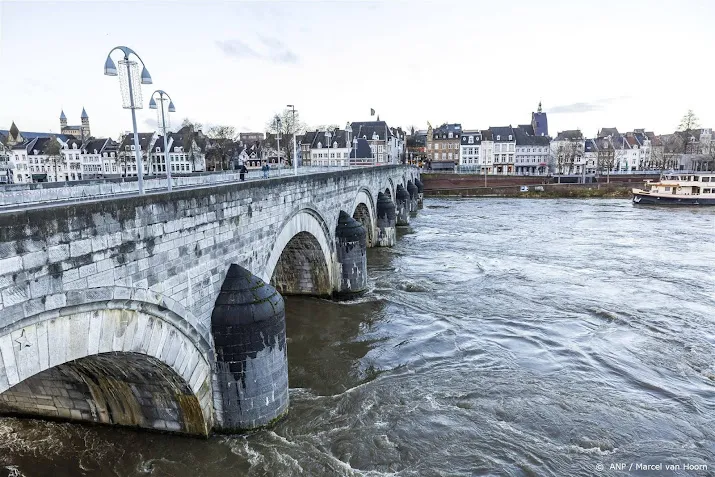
(164, 311)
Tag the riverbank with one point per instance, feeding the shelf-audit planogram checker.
(542, 191)
(472, 185)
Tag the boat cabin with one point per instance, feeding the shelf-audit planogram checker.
(683, 184)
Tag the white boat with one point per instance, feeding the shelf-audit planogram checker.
(692, 188)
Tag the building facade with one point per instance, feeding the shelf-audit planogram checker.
(330, 148)
(443, 145)
(532, 152)
(504, 140)
(469, 151)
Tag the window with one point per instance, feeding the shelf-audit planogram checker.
(498, 137)
(450, 135)
(436, 146)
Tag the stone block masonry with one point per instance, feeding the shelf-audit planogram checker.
(142, 275)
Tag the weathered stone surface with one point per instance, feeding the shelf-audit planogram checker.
(414, 196)
(385, 221)
(402, 206)
(351, 255)
(248, 326)
(142, 274)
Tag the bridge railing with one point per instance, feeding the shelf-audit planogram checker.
(13, 196)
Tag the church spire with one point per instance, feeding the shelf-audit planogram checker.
(84, 114)
(62, 114)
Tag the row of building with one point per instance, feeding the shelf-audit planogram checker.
(74, 154)
(529, 149)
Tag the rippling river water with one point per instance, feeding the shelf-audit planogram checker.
(500, 337)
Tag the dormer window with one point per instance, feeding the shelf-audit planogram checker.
(450, 135)
(510, 137)
(158, 149)
(498, 137)
(320, 145)
(335, 144)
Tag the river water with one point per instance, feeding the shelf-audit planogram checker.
(499, 337)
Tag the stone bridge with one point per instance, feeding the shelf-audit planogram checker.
(164, 311)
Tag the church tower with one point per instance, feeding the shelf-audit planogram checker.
(539, 122)
(85, 124)
(63, 120)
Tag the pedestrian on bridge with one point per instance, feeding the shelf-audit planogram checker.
(242, 171)
(266, 169)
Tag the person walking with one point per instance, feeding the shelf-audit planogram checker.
(266, 168)
(242, 171)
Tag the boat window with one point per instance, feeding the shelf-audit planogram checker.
(667, 189)
(706, 191)
(706, 179)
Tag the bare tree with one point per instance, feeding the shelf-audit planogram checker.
(288, 123)
(688, 124)
(605, 158)
(191, 136)
(53, 151)
(222, 138)
(565, 156)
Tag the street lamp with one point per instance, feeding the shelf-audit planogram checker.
(130, 82)
(172, 109)
(278, 141)
(295, 152)
(328, 136)
(349, 131)
(355, 143)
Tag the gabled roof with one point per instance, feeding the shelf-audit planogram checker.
(442, 132)
(477, 135)
(486, 135)
(569, 135)
(524, 139)
(527, 128)
(37, 145)
(95, 145)
(605, 132)
(366, 129)
(363, 150)
(144, 141)
(503, 133)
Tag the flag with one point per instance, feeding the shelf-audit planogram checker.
(372, 112)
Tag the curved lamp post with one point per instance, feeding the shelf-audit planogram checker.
(278, 141)
(172, 109)
(129, 83)
(328, 136)
(349, 131)
(295, 152)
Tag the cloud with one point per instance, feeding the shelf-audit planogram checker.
(575, 108)
(269, 49)
(150, 123)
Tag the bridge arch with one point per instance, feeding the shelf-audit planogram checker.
(301, 260)
(118, 362)
(364, 212)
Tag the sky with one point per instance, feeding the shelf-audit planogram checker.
(601, 63)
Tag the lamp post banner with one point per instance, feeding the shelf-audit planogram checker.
(125, 75)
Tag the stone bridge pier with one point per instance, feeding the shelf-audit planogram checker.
(165, 312)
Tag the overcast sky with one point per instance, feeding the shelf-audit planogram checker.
(629, 63)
